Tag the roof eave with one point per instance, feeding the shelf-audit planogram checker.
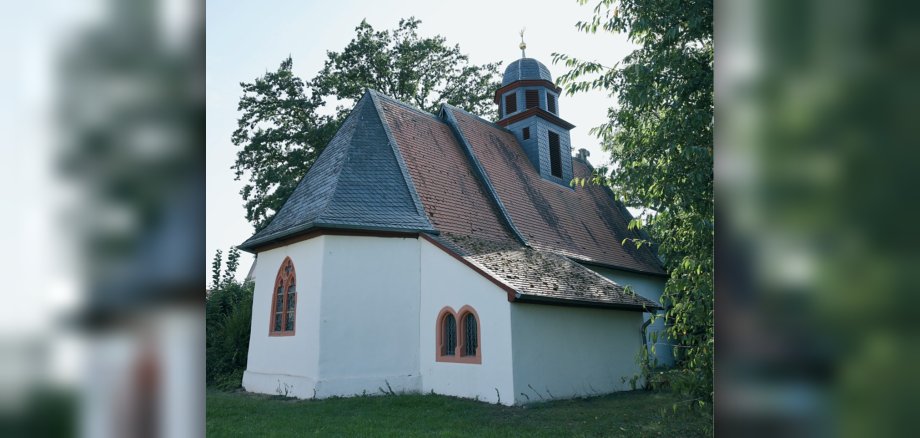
(565, 302)
(535, 111)
(525, 83)
(253, 247)
(662, 274)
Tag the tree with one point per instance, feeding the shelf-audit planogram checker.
(402, 65)
(281, 131)
(215, 269)
(280, 134)
(660, 140)
(233, 262)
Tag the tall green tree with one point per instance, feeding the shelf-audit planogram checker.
(285, 122)
(659, 136)
(279, 134)
(216, 266)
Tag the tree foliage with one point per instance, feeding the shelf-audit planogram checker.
(399, 63)
(285, 123)
(660, 139)
(216, 266)
(280, 135)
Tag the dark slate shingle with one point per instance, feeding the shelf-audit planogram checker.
(358, 181)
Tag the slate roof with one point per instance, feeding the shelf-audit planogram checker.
(359, 181)
(394, 167)
(526, 69)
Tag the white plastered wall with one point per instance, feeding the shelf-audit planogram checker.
(447, 281)
(286, 364)
(357, 313)
(369, 316)
(650, 287)
(564, 352)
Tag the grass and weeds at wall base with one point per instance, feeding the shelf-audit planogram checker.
(635, 413)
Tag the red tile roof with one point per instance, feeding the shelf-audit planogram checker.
(583, 223)
(453, 197)
(472, 226)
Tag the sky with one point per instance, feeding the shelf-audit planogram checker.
(247, 39)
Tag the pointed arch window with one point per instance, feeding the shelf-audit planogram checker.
(284, 301)
(449, 344)
(469, 333)
(458, 336)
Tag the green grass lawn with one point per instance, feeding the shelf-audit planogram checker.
(629, 414)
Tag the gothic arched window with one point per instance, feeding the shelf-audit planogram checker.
(458, 337)
(468, 332)
(284, 301)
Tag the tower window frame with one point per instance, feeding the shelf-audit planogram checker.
(551, 103)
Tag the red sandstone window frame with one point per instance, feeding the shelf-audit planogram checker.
(285, 280)
(460, 327)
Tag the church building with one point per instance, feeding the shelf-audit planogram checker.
(449, 254)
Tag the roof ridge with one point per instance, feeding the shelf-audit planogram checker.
(477, 117)
(253, 240)
(338, 175)
(481, 172)
(404, 104)
(407, 178)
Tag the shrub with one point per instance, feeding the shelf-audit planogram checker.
(228, 320)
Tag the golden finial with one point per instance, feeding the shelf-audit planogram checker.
(523, 44)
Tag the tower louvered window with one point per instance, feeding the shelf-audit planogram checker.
(284, 300)
(510, 103)
(551, 103)
(555, 155)
(531, 98)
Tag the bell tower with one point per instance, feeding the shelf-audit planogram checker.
(528, 103)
